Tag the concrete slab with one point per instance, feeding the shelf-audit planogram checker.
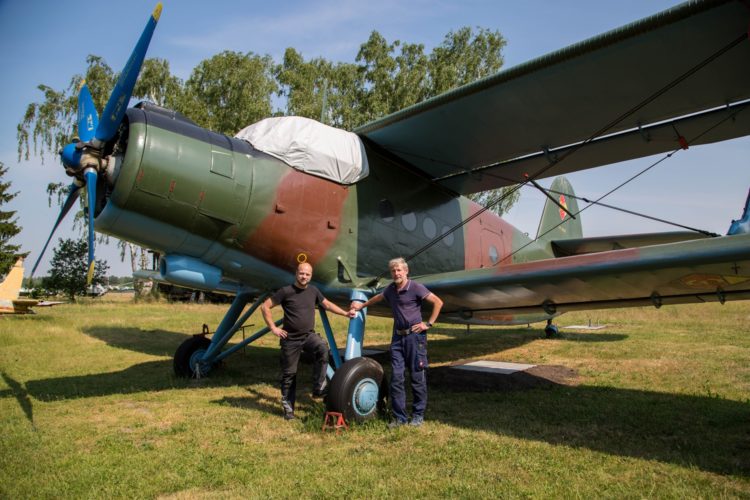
(499, 367)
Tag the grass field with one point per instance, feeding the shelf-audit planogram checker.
(89, 407)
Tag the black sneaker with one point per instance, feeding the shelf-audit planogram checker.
(320, 392)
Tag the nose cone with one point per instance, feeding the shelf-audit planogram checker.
(70, 156)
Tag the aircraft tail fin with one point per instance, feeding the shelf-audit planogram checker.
(556, 224)
(11, 285)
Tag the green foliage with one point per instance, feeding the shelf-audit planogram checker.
(156, 84)
(69, 268)
(9, 227)
(499, 200)
(231, 90)
(464, 57)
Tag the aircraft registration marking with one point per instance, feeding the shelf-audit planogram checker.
(565, 205)
(711, 280)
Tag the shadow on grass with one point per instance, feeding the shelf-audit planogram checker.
(308, 410)
(153, 342)
(21, 395)
(706, 432)
(484, 341)
(258, 365)
(699, 431)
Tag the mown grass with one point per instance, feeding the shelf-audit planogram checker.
(89, 407)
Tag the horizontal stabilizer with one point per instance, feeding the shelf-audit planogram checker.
(581, 246)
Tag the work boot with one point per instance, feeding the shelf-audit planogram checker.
(288, 410)
(396, 424)
(321, 392)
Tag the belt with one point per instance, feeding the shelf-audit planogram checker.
(404, 332)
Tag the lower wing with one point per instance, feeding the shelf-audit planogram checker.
(705, 270)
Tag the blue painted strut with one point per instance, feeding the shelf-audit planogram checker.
(354, 337)
(356, 333)
(331, 339)
(230, 325)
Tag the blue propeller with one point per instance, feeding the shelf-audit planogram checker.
(82, 159)
(73, 192)
(115, 109)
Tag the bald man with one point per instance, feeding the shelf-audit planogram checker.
(297, 334)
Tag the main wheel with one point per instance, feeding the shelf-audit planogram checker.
(356, 389)
(187, 356)
(551, 331)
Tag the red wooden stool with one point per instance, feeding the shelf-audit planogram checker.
(334, 420)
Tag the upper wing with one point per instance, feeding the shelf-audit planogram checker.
(631, 92)
(692, 271)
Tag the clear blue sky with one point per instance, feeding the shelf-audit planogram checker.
(46, 42)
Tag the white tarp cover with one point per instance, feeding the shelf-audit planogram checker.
(311, 147)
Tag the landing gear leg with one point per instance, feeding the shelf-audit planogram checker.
(357, 390)
(198, 355)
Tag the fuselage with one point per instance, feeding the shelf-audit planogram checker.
(184, 191)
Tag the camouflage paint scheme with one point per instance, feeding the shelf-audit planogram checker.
(227, 217)
(182, 190)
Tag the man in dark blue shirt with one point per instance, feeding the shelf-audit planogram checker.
(409, 340)
(298, 333)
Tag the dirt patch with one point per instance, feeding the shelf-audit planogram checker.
(540, 376)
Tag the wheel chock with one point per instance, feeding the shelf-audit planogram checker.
(334, 420)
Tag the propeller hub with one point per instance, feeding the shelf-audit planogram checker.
(71, 157)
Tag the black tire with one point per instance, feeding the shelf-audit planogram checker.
(384, 395)
(356, 389)
(187, 354)
(551, 331)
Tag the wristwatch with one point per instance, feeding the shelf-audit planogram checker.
(429, 325)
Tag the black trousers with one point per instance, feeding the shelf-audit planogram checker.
(291, 349)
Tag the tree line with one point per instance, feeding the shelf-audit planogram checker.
(231, 90)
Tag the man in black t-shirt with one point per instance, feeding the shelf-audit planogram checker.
(298, 333)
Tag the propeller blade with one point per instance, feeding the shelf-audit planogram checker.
(118, 101)
(90, 176)
(73, 193)
(88, 119)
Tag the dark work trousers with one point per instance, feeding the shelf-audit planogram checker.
(409, 352)
(291, 349)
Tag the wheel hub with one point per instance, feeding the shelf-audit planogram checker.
(365, 397)
(196, 366)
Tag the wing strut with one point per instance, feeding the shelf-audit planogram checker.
(546, 193)
(625, 210)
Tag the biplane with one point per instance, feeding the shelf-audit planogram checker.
(237, 214)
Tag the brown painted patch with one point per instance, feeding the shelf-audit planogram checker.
(308, 224)
(483, 234)
(572, 261)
